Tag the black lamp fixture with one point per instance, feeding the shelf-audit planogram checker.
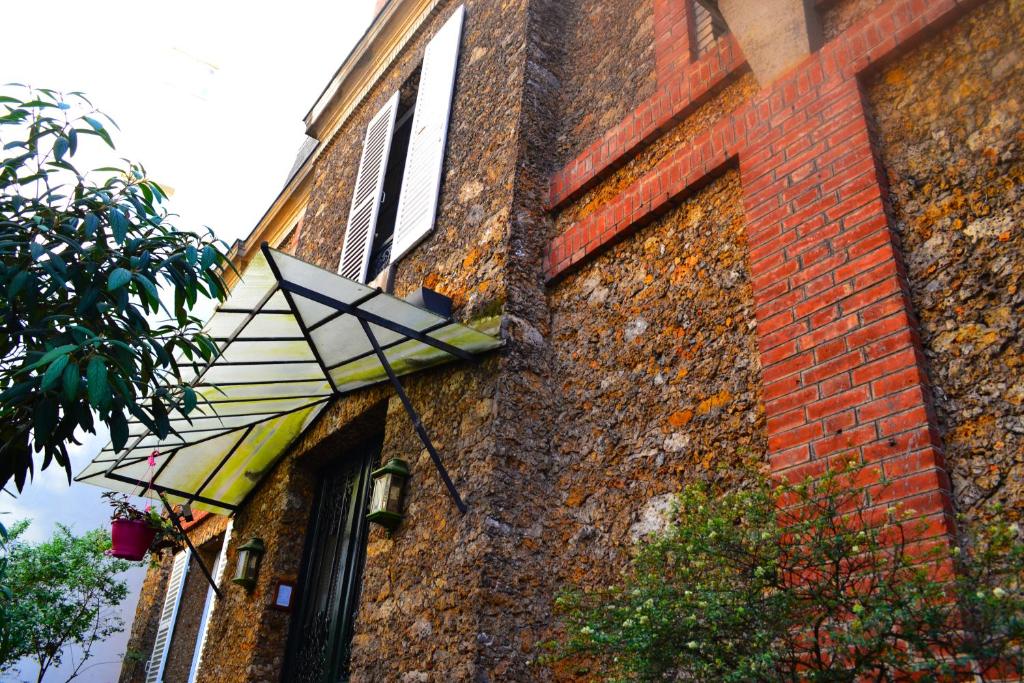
(249, 555)
(388, 488)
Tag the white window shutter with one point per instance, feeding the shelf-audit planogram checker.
(421, 181)
(362, 214)
(169, 614)
(211, 603)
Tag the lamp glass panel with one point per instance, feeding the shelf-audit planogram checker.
(243, 561)
(395, 496)
(380, 493)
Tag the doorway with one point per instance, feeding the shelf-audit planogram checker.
(331, 576)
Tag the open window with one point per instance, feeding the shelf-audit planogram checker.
(380, 249)
(394, 202)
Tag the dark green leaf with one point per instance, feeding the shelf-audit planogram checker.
(189, 397)
(96, 378)
(148, 285)
(60, 148)
(70, 380)
(92, 221)
(119, 277)
(53, 372)
(118, 430)
(16, 284)
(118, 224)
(51, 355)
(209, 257)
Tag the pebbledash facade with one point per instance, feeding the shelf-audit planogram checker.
(790, 236)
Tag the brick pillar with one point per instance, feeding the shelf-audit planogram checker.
(843, 369)
(671, 38)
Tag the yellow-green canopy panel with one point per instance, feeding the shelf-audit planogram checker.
(292, 337)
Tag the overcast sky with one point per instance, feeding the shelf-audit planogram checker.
(209, 96)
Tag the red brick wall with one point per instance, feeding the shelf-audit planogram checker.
(843, 371)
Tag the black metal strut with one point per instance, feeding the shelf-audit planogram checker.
(414, 416)
(202, 565)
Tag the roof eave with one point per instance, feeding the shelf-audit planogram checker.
(364, 64)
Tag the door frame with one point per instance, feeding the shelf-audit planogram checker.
(363, 456)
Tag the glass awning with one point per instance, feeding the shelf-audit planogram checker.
(292, 337)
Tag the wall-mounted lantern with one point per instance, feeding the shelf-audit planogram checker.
(249, 555)
(388, 487)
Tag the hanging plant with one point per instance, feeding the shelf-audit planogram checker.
(136, 533)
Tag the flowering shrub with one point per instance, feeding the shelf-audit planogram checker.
(807, 582)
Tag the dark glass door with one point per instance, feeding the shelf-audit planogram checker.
(321, 628)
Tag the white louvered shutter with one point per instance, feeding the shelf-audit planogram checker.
(362, 215)
(211, 603)
(421, 181)
(165, 630)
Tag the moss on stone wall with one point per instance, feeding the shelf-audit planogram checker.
(949, 127)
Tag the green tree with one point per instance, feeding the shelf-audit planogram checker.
(83, 331)
(64, 590)
(813, 582)
(10, 637)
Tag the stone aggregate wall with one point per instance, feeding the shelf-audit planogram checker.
(657, 368)
(608, 70)
(730, 97)
(639, 370)
(835, 16)
(207, 534)
(147, 619)
(247, 634)
(463, 258)
(949, 121)
(423, 586)
(190, 614)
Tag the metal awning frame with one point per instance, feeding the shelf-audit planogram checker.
(366, 318)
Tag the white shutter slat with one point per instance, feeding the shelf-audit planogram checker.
(362, 215)
(211, 603)
(169, 614)
(421, 179)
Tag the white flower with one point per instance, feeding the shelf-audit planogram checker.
(587, 631)
(980, 594)
(998, 592)
(649, 603)
(628, 623)
(693, 645)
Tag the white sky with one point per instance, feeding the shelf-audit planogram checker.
(209, 96)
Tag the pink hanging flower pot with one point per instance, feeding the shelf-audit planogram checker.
(131, 538)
